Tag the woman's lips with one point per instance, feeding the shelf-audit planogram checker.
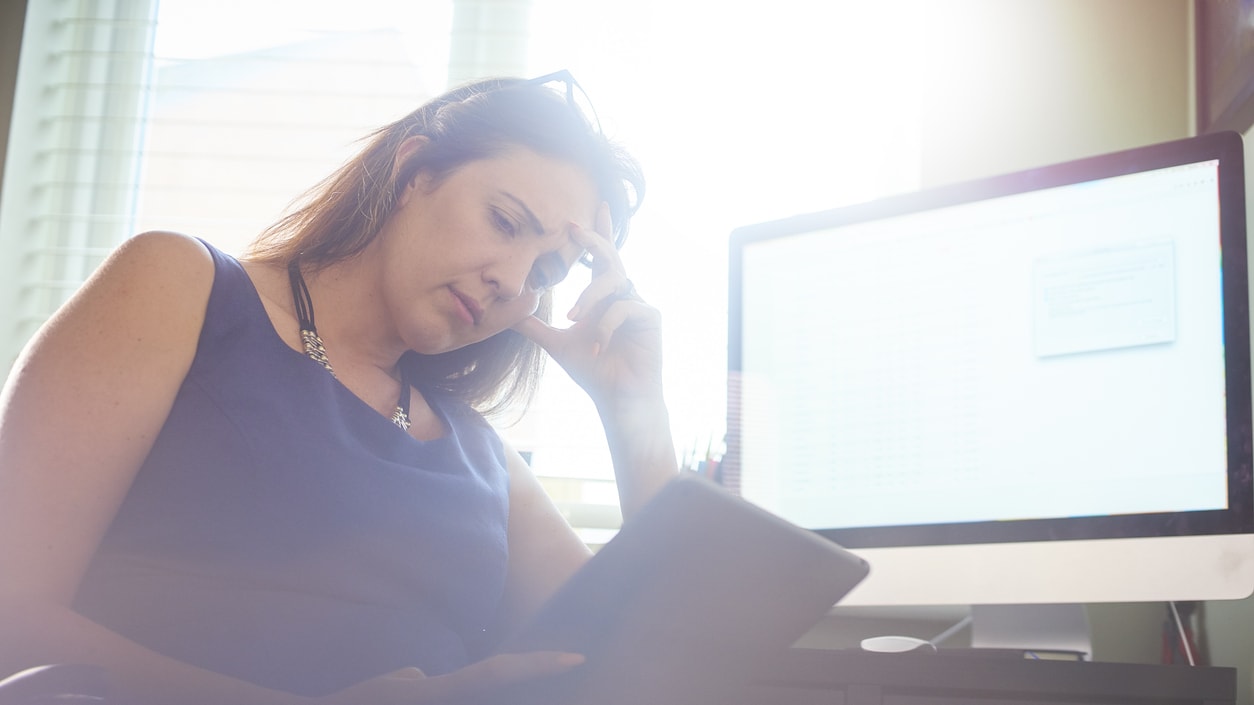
(469, 309)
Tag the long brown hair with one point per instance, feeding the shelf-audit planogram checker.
(341, 215)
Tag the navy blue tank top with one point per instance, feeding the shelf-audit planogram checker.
(283, 532)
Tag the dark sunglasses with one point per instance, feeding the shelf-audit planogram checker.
(576, 97)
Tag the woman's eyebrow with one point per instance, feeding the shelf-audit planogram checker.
(534, 224)
(532, 221)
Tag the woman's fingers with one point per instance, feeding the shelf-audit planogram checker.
(543, 334)
(605, 224)
(609, 277)
(607, 304)
(410, 686)
(501, 670)
(599, 242)
(411, 673)
(619, 314)
(603, 289)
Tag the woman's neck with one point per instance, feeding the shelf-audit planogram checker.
(351, 315)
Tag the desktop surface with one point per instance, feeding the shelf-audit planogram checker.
(951, 676)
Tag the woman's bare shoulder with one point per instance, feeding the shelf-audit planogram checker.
(157, 272)
(164, 253)
(147, 298)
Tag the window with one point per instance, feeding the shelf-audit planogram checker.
(72, 165)
(211, 118)
(739, 113)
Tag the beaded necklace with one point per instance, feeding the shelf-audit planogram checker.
(318, 353)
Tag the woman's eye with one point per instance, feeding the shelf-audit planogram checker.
(503, 223)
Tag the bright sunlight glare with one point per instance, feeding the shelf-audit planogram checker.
(738, 112)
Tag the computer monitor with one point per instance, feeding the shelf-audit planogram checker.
(1027, 389)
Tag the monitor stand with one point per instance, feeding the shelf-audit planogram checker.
(1032, 628)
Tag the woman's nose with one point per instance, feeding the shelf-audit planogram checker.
(509, 276)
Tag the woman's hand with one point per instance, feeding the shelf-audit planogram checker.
(613, 349)
(410, 686)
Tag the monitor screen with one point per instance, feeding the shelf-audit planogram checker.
(1032, 388)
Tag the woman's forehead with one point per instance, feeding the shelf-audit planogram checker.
(554, 191)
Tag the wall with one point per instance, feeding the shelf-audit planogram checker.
(1022, 84)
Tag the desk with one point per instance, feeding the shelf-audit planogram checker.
(851, 677)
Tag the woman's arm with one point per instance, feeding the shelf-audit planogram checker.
(78, 414)
(613, 350)
(543, 550)
(641, 448)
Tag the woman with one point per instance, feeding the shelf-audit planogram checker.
(224, 498)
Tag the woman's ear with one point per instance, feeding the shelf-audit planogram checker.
(408, 149)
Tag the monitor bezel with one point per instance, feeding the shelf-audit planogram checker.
(1225, 147)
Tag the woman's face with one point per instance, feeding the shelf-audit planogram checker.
(470, 256)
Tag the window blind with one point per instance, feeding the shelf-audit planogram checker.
(73, 160)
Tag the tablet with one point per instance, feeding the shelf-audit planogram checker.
(691, 593)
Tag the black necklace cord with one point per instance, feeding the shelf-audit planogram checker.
(313, 343)
(300, 296)
(304, 315)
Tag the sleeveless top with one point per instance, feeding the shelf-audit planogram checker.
(283, 532)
